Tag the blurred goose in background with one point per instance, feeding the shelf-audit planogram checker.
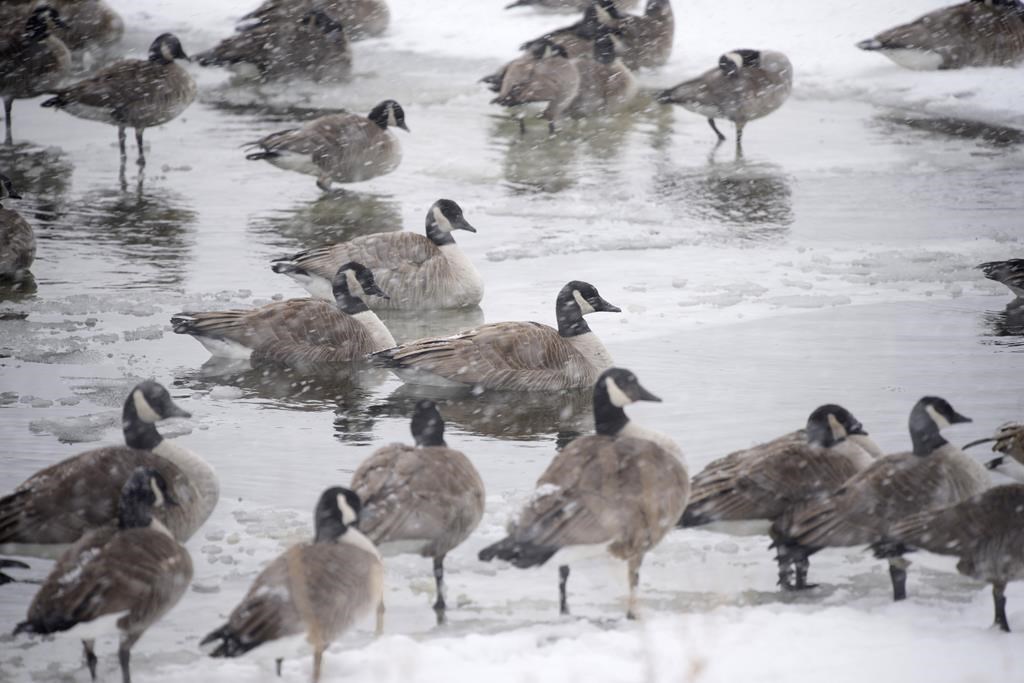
(361, 18)
(311, 46)
(606, 85)
(972, 33)
(862, 512)
(647, 38)
(33, 60)
(117, 579)
(1009, 441)
(57, 505)
(616, 492)
(88, 25)
(747, 491)
(417, 271)
(310, 594)
(1010, 273)
(512, 356)
(746, 85)
(133, 93)
(299, 332)
(568, 5)
(17, 240)
(344, 148)
(425, 499)
(546, 74)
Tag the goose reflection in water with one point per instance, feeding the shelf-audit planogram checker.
(1006, 327)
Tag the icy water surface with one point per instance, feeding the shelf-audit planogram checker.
(833, 262)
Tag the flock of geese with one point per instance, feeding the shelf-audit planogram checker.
(116, 518)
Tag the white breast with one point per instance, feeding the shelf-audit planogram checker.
(465, 286)
(592, 350)
(633, 430)
(378, 332)
(918, 60)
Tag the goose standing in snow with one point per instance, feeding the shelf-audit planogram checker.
(343, 148)
(861, 512)
(972, 33)
(546, 74)
(424, 499)
(606, 85)
(117, 579)
(620, 490)
(746, 85)
(17, 240)
(133, 93)
(512, 356)
(647, 38)
(1009, 273)
(297, 331)
(361, 18)
(33, 60)
(774, 480)
(88, 25)
(57, 505)
(417, 271)
(310, 594)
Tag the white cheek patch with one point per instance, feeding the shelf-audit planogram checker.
(442, 222)
(392, 121)
(938, 419)
(143, 409)
(735, 58)
(604, 16)
(838, 430)
(157, 493)
(354, 288)
(616, 395)
(165, 50)
(348, 515)
(584, 305)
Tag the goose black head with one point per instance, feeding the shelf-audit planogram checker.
(443, 217)
(607, 12)
(144, 490)
(322, 21)
(388, 113)
(575, 300)
(615, 389)
(7, 190)
(831, 424)
(352, 283)
(545, 49)
(732, 62)
(928, 417)
(337, 509)
(147, 403)
(604, 48)
(166, 48)
(42, 21)
(427, 424)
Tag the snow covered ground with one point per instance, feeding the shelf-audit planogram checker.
(835, 263)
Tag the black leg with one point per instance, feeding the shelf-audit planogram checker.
(785, 569)
(898, 574)
(439, 604)
(8, 103)
(277, 665)
(90, 657)
(138, 143)
(999, 598)
(563, 579)
(711, 122)
(634, 583)
(522, 125)
(120, 141)
(802, 565)
(124, 656)
(739, 136)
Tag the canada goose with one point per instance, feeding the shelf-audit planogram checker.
(133, 93)
(33, 60)
(361, 18)
(647, 38)
(17, 241)
(54, 507)
(606, 84)
(1010, 273)
(747, 85)
(973, 33)
(312, 593)
(341, 332)
(1009, 441)
(88, 24)
(774, 480)
(313, 45)
(935, 474)
(417, 271)
(425, 499)
(512, 356)
(344, 148)
(546, 74)
(121, 578)
(620, 489)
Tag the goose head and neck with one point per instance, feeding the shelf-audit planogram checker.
(352, 283)
(324, 23)
(336, 519)
(444, 217)
(144, 490)
(427, 425)
(597, 15)
(604, 48)
(929, 416)
(388, 113)
(615, 389)
(165, 49)
(575, 300)
(41, 22)
(830, 425)
(148, 403)
(7, 190)
(731, 63)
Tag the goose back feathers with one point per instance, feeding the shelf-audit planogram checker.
(17, 239)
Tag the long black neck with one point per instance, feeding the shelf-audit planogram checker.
(348, 302)
(134, 514)
(434, 232)
(138, 433)
(927, 441)
(430, 439)
(156, 55)
(36, 29)
(609, 419)
(569, 316)
(329, 528)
